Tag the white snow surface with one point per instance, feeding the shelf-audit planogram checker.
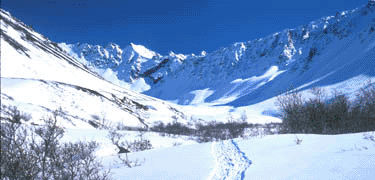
(349, 156)
(230, 162)
(143, 51)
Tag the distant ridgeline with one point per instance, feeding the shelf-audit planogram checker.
(245, 73)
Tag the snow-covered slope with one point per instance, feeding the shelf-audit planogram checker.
(39, 77)
(325, 52)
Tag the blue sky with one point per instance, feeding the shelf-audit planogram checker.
(181, 26)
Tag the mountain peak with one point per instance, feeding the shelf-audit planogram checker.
(143, 51)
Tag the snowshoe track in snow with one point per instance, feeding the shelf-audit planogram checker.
(231, 163)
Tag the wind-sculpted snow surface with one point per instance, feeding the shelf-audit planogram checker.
(231, 163)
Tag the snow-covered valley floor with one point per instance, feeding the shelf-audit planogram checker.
(347, 156)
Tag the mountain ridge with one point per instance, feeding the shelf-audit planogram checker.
(176, 77)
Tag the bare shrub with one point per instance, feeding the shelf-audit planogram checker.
(47, 148)
(338, 117)
(334, 116)
(130, 163)
(298, 141)
(363, 110)
(214, 131)
(77, 161)
(13, 115)
(291, 105)
(134, 146)
(369, 137)
(315, 115)
(175, 128)
(16, 162)
(177, 143)
(243, 117)
(35, 153)
(100, 121)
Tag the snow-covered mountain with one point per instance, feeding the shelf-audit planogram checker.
(334, 52)
(324, 52)
(38, 77)
(112, 56)
(135, 64)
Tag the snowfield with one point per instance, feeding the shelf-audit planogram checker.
(349, 156)
(230, 163)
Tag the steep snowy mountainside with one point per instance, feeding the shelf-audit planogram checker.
(20, 44)
(250, 72)
(136, 57)
(324, 52)
(133, 64)
(38, 77)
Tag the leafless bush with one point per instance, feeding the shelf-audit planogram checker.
(333, 116)
(298, 141)
(138, 145)
(291, 105)
(369, 137)
(77, 161)
(36, 153)
(363, 110)
(16, 162)
(13, 115)
(130, 163)
(141, 144)
(115, 138)
(177, 144)
(47, 148)
(100, 121)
